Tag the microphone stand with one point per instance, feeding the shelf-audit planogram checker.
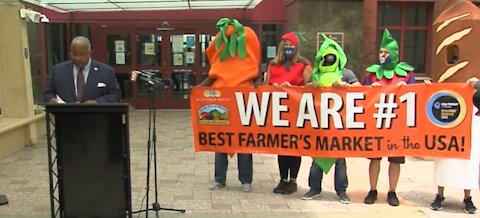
(152, 140)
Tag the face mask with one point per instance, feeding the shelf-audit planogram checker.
(384, 58)
(289, 52)
(328, 64)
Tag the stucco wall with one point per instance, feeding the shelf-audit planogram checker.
(18, 123)
(329, 16)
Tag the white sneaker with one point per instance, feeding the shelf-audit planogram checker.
(216, 186)
(246, 187)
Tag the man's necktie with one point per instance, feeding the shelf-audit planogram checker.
(80, 83)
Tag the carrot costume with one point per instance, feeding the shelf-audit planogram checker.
(234, 55)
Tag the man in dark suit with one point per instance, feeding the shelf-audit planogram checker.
(82, 79)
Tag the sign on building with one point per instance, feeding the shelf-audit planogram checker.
(335, 36)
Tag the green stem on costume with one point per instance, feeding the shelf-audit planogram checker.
(235, 43)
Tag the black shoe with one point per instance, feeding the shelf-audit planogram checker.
(343, 197)
(469, 207)
(371, 197)
(280, 187)
(290, 188)
(392, 199)
(437, 203)
(311, 194)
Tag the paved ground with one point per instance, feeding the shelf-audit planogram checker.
(184, 178)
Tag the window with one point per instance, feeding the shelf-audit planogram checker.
(183, 50)
(271, 34)
(119, 51)
(409, 24)
(148, 50)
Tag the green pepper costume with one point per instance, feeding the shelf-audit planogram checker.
(325, 76)
(390, 67)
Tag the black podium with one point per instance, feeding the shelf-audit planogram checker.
(89, 160)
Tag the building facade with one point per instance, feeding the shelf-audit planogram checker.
(361, 23)
(172, 43)
(169, 43)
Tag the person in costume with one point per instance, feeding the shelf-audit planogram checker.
(234, 57)
(329, 70)
(288, 68)
(459, 173)
(389, 71)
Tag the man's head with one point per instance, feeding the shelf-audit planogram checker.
(388, 54)
(80, 51)
(384, 56)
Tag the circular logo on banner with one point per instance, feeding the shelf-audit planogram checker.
(446, 109)
(214, 114)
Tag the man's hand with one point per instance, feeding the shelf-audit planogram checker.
(286, 84)
(428, 82)
(376, 84)
(133, 75)
(53, 100)
(401, 83)
(472, 81)
(90, 102)
(311, 85)
(338, 84)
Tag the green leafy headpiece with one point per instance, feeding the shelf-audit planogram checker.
(234, 41)
(326, 75)
(391, 66)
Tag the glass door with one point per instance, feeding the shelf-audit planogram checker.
(204, 40)
(183, 59)
(150, 57)
(175, 56)
(118, 54)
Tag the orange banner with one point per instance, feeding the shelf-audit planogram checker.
(412, 120)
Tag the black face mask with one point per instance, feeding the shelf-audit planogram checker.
(289, 52)
(330, 59)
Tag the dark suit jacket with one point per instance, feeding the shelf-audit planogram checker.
(102, 84)
(476, 97)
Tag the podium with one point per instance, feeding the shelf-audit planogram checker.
(89, 160)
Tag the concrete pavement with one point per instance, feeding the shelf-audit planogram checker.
(184, 177)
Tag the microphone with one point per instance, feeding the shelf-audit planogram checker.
(143, 75)
(150, 79)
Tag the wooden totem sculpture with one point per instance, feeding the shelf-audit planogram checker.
(456, 45)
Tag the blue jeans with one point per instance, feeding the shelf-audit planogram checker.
(340, 181)
(245, 168)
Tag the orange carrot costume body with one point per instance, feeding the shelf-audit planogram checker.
(234, 71)
(234, 57)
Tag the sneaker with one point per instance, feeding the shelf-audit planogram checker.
(371, 197)
(280, 187)
(311, 194)
(437, 203)
(290, 188)
(392, 199)
(469, 207)
(343, 197)
(216, 186)
(246, 187)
